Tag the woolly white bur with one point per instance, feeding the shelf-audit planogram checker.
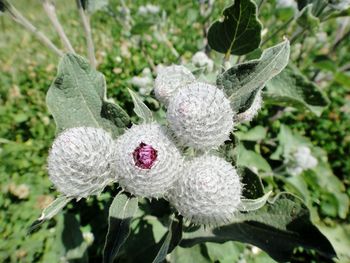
(80, 161)
(208, 191)
(169, 80)
(148, 162)
(200, 116)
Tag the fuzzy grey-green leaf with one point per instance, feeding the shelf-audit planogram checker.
(292, 88)
(49, 212)
(253, 204)
(55, 207)
(243, 80)
(76, 98)
(121, 212)
(140, 108)
(306, 18)
(278, 228)
(240, 31)
(172, 238)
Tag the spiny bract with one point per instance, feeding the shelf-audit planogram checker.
(250, 113)
(208, 191)
(169, 80)
(80, 161)
(200, 116)
(148, 162)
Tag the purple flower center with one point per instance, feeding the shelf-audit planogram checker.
(144, 156)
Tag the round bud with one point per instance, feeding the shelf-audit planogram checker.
(200, 116)
(208, 191)
(148, 162)
(80, 161)
(250, 113)
(169, 80)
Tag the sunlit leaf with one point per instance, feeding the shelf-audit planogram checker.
(278, 228)
(240, 31)
(242, 81)
(121, 212)
(294, 89)
(76, 98)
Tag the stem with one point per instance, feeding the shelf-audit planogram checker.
(227, 55)
(278, 30)
(297, 34)
(85, 18)
(50, 10)
(332, 50)
(260, 4)
(169, 44)
(337, 43)
(20, 19)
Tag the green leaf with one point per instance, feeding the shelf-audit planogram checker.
(2, 7)
(94, 5)
(338, 13)
(254, 134)
(339, 235)
(342, 78)
(116, 115)
(172, 239)
(76, 98)
(294, 89)
(247, 205)
(227, 252)
(278, 228)
(251, 159)
(240, 31)
(253, 187)
(306, 19)
(49, 212)
(242, 81)
(317, 6)
(141, 110)
(121, 212)
(188, 255)
(72, 238)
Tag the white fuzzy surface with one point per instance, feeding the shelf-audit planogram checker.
(153, 182)
(200, 116)
(80, 161)
(200, 59)
(302, 160)
(169, 80)
(208, 191)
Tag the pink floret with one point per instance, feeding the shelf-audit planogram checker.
(144, 156)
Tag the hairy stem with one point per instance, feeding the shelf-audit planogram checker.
(20, 19)
(50, 10)
(85, 18)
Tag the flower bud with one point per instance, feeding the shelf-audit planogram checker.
(208, 191)
(169, 80)
(80, 161)
(148, 162)
(200, 116)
